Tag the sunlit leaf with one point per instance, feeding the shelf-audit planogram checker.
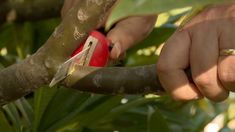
(155, 38)
(143, 7)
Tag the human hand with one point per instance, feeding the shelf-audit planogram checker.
(197, 46)
(125, 33)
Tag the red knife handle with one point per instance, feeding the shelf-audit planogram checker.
(100, 54)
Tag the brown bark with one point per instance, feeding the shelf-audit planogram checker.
(38, 70)
(116, 80)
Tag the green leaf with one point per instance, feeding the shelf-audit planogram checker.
(13, 115)
(26, 110)
(23, 39)
(174, 18)
(64, 102)
(100, 111)
(1, 66)
(139, 60)
(4, 124)
(42, 98)
(127, 8)
(155, 38)
(86, 119)
(43, 30)
(85, 105)
(125, 107)
(20, 41)
(226, 129)
(156, 121)
(6, 31)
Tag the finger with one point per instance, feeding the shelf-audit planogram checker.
(128, 32)
(174, 58)
(203, 61)
(226, 64)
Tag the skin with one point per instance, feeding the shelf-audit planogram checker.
(198, 45)
(125, 33)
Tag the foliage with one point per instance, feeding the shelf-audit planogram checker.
(61, 109)
(141, 7)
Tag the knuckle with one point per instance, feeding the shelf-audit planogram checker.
(219, 97)
(228, 80)
(227, 77)
(162, 67)
(232, 19)
(206, 84)
(178, 97)
(203, 81)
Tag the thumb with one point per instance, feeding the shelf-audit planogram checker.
(128, 32)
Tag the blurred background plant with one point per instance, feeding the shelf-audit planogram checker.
(61, 109)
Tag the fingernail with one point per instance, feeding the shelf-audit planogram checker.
(117, 48)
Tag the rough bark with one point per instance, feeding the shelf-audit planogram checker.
(116, 80)
(38, 70)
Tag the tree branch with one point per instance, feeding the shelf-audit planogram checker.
(116, 80)
(38, 70)
(29, 10)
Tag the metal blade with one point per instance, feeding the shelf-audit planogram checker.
(78, 56)
(62, 72)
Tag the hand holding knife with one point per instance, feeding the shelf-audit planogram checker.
(93, 52)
